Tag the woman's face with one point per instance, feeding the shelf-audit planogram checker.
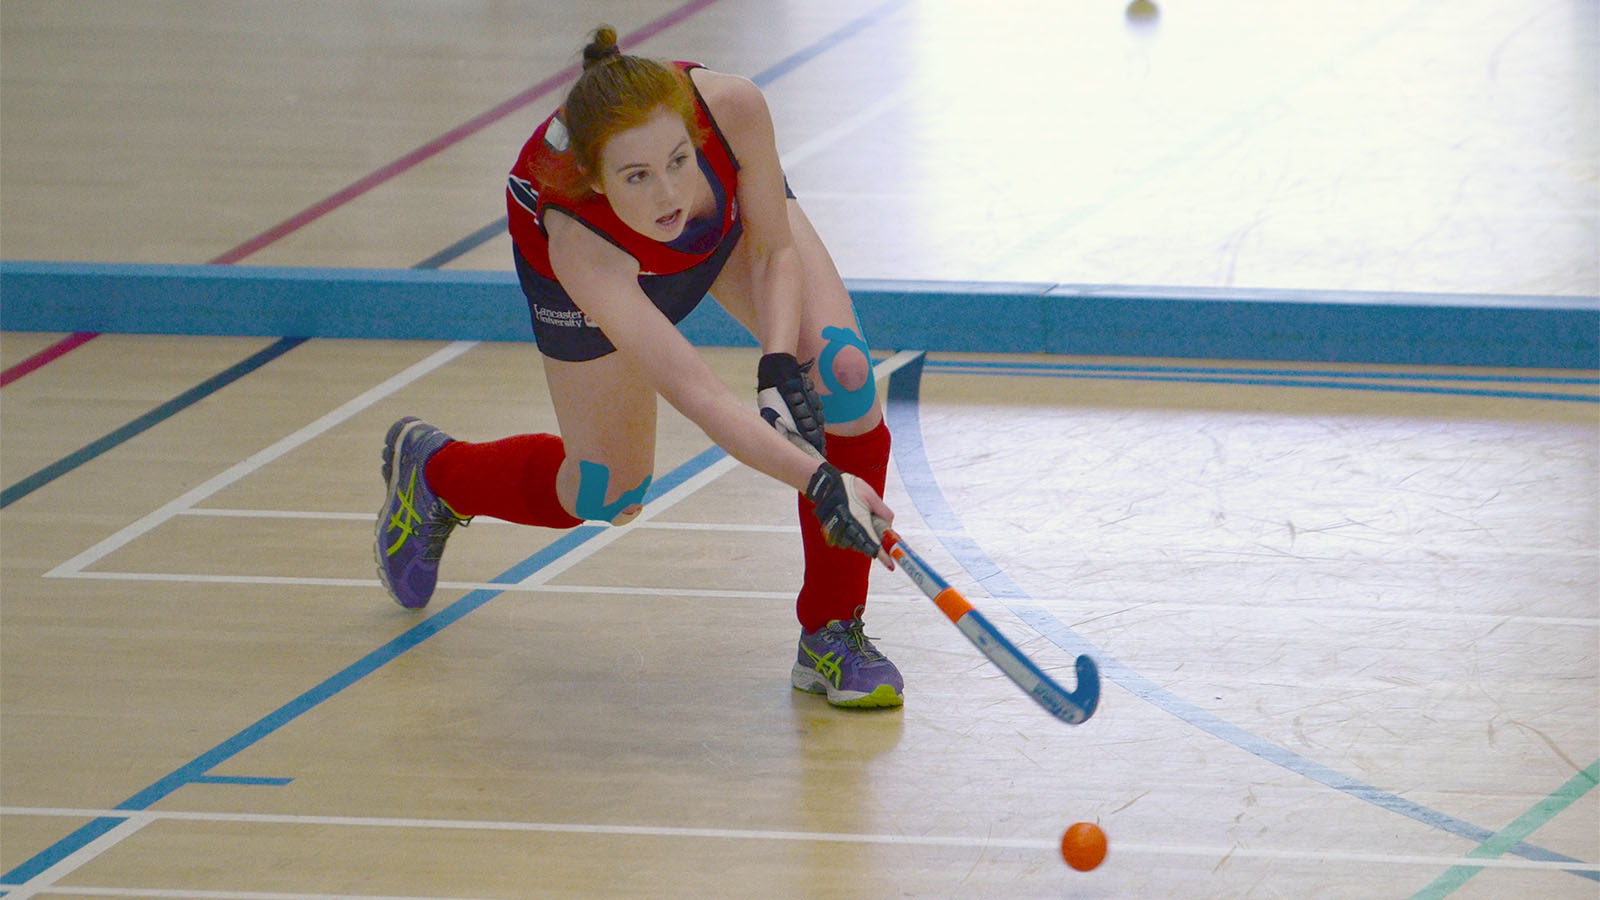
(651, 176)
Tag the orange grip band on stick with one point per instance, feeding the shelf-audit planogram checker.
(954, 605)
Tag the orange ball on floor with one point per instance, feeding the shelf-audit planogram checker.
(1083, 846)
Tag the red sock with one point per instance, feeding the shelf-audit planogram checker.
(835, 586)
(513, 479)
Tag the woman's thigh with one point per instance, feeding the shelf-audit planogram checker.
(607, 416)
(829, 332)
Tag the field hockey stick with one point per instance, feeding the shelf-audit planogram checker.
(1072, 707)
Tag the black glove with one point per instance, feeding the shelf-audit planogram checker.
(789, 403)
(846, 519)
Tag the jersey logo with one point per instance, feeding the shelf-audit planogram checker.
(522, 191)
(555, 135)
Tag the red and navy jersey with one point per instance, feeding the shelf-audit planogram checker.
(528, 197)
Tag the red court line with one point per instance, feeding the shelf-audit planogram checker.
(71, 342)
(405, 163)
(444, 141)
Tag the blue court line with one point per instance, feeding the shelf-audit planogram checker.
(1328, 382)
(192, 396)
(467, 244)
(242, 780)
(147, 421)
(195, 771)
(916, 473)
(822, 45)
(1029, 368)
(1527, 823)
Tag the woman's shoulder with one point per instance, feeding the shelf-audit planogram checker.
(734, 100)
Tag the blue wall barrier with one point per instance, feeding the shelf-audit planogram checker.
(1099, 320)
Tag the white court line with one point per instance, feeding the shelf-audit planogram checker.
(1073, 612)
(811, 148)
(722, 526)
(240, 470)
(167, 894)
(975, 841)
(44, 881)
(1092, 610)
(477, 520)
(530, 586)
(1209, 548)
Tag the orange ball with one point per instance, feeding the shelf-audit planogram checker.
(1083, 846)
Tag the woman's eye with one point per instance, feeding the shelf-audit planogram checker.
(636, 178)
(680, 160)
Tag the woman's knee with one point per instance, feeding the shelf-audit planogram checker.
(844, 371)
(585, 486)
(850, 369)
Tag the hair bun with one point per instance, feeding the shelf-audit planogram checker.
(602, 47)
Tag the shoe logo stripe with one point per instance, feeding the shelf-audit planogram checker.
(827, 665)
(405, 516)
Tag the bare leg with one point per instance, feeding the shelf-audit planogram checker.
(607, 417)
(835, 586)
(827, 313)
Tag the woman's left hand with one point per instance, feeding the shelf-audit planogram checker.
(789, 403)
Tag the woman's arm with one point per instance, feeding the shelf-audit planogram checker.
(741, 113)
(603, 281)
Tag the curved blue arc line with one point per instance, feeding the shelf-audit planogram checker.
(916, 473)
(1328, 383)
(1011, 367)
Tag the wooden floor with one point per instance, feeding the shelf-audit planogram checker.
(1348, 616)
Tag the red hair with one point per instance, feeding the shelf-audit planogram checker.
(616, 92)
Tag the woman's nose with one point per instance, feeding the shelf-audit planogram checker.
(665, 190)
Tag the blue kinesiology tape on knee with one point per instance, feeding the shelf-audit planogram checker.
(840, 405)
(594, 480)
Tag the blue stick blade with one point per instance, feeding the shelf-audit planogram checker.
(1087, 694)
(1073, 707)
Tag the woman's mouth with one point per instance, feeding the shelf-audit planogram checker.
(670, 219)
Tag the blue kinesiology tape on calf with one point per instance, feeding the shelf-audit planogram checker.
(594, 480)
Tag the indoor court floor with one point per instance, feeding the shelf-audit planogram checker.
(1347, 614)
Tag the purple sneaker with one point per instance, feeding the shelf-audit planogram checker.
(414, 522)
(839, 660)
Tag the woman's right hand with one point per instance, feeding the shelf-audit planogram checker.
(850, 511)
